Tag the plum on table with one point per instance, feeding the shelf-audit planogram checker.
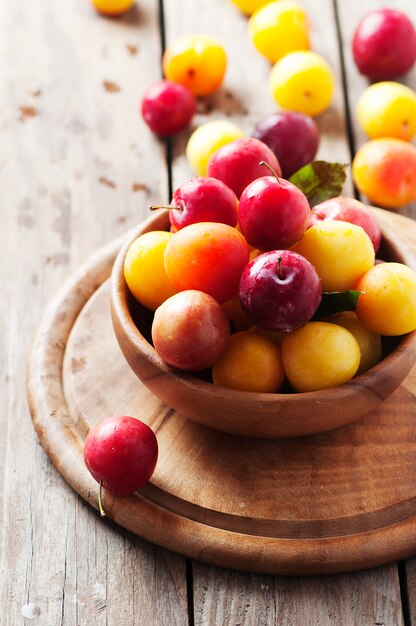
(388, 109)
(384, 44)
(293, 137)
(279, 28)
(167, 107)
(384, 170)
(302, 81)
(197, 61)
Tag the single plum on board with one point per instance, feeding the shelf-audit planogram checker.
(121, 451)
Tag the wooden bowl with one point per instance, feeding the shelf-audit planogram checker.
(248, 413)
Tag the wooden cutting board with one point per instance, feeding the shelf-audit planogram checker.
(336, 502)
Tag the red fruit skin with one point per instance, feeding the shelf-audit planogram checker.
(273, 213)
(122, 452)
(237, 163)
(347, 210)
(167, 108)
(190, 330)
(203, 199)
(283, 299)
(293, 138)
(384, 44)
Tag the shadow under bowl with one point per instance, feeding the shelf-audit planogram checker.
(271, 415)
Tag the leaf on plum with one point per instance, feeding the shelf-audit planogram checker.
(336, 302)
(320, 180)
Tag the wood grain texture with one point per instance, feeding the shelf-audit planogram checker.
(229, 598)
(71, 153)
(345, 510)
(408, 584)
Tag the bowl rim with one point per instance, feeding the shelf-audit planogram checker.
(119, 301)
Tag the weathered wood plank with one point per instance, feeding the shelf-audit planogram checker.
(77, 168)
(408, 583)
(227, 598)
(350, 14)
(222, 597)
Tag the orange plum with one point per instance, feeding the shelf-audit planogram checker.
(384, 170)
(207, 256)
(250, 362)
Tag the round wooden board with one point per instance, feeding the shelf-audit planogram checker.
(332, 503)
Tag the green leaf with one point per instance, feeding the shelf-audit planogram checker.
(320, 180)
(336, 302)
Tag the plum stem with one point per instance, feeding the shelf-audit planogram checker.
(271, 169)
(100, 499)
(155, 207)
(279, 268)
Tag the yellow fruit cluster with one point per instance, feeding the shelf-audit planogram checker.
(300, 80)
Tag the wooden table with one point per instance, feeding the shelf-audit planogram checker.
(78, 167)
